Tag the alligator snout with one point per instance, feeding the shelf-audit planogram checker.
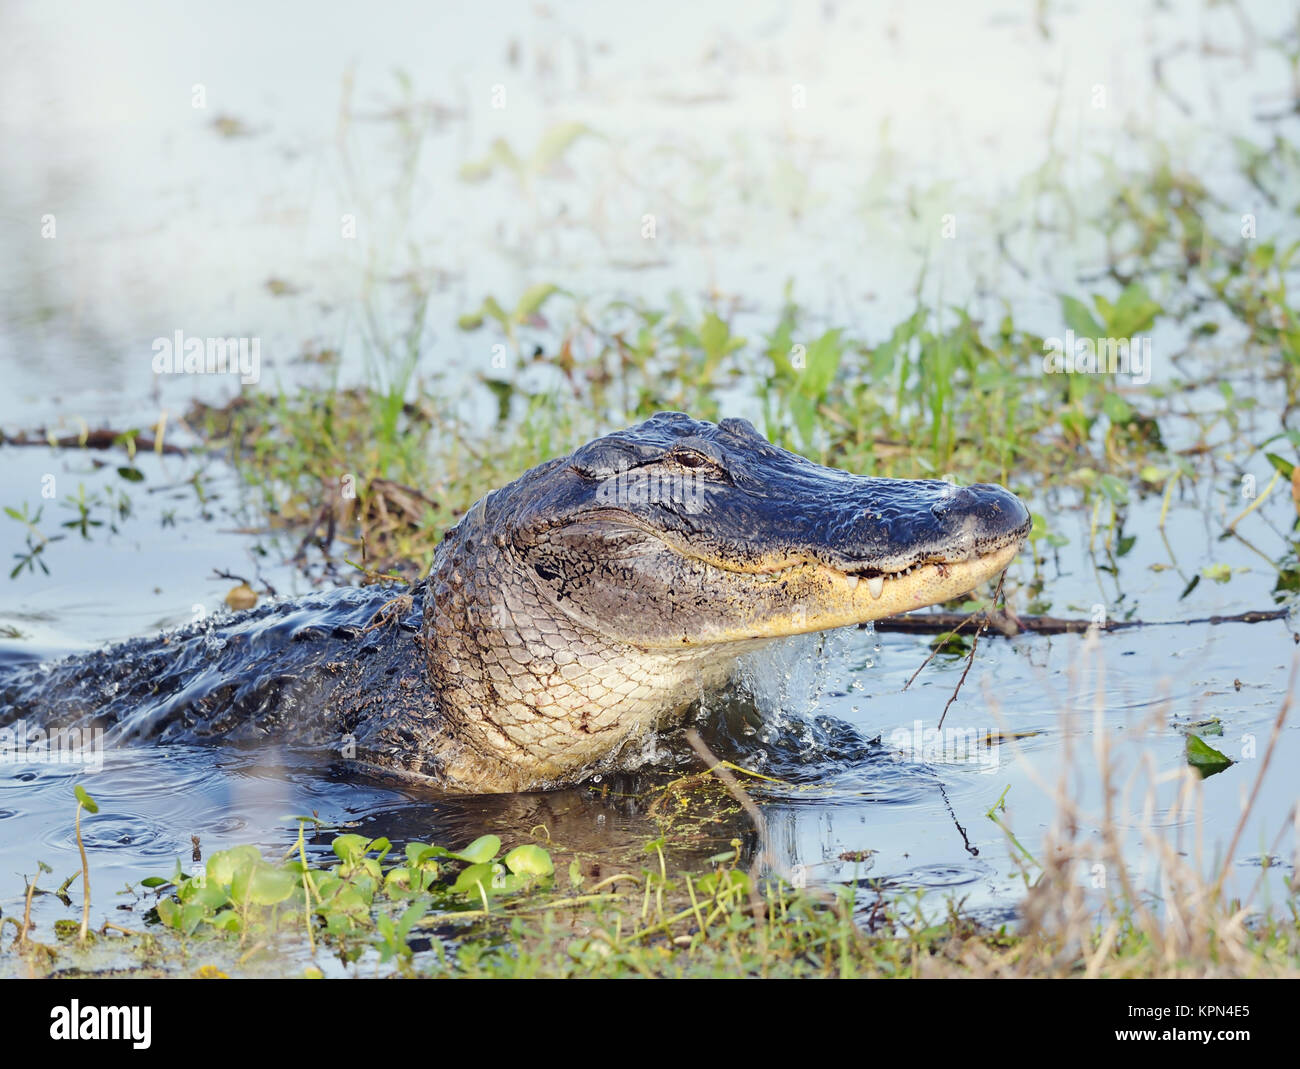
(982, 512)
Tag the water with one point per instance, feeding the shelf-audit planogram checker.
(772, 144)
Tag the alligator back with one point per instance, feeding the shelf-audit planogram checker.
(301, 670)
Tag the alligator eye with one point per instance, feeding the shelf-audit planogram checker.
(700, 464)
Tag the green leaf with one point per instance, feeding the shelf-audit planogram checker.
(190, 918)
(418, 854)
(131, 475)
(1205, 758)
(716, 339)
(499, 155)
(555, 143)
(1114, 488)
(1132, 313)
(270, 885)
(1116, 409)
(529, 860)
(1079, 319)
(494, 309)
(210, 896)
(350, 848)
(804, 411)
(225, 865)
(482, 849)
(1283, 466)
(472, 878)
(532, 300)
(90, 804)
(714, 882)
(351, 900)
(823, 361)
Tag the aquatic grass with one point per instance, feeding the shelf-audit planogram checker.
(84, 801)
(967, 400)
(493, 910)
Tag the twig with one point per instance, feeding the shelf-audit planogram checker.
(719, 769)
(100, 439)
(983, 615)
(27, 915)
(965, 618)
(728, 780)
(964, 673)
(1007, 625)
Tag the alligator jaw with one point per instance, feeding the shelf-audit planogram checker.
(857, 600)
(812, 596)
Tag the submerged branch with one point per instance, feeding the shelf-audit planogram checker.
(1008, 624)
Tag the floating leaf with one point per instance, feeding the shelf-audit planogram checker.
(529, 860)
(224, 865)
(190, 917)
(350, 847)
(1205, 758)
(472, 878)
(268, 885)
(482, 849)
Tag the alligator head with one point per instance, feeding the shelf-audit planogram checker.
(600, 593)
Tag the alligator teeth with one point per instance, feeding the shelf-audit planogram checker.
(876, 584)
(853, 582)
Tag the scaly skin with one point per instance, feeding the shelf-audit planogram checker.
(567, 614)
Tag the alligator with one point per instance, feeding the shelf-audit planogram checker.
(565, 617)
